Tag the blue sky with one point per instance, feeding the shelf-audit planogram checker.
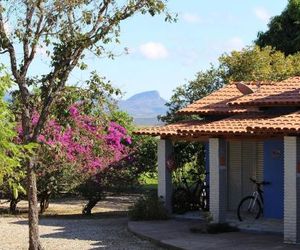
(163, 55)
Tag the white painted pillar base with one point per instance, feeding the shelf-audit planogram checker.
(164, 151)
(217, 181)
(291, 205)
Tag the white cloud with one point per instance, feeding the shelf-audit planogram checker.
(217, 48)
(235, 43)
(191, 17)
(262, 14)
(154, 51)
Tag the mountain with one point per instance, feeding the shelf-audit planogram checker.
(144, 107)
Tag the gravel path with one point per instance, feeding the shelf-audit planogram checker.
(63, 227)
(59, 233)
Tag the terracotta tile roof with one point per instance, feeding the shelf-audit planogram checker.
(216, 102)
(167, 130)
(234, 125)
(286, 124)
(244, 120)
(251, 124)
(283, 93)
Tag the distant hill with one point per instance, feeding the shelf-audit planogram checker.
(144, 107)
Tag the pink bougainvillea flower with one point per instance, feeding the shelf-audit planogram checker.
(82, 142)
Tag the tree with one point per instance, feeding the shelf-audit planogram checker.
(84, 145)
(11, 154)
(56, 173)
(96, 99)
(66, 30)
(250, 64)
(283, 30)
(258, 64)
(204, 83)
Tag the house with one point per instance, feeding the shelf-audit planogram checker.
(252, 129)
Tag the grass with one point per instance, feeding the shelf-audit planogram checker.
(148, 183)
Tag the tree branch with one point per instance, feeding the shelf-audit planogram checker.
(61, 72)
(7, 45)
(29, 15)
(37, 34)
(4, 51)
(102, 31)
(103, 9)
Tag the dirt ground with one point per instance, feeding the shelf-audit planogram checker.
(62, 227)
(67, 206)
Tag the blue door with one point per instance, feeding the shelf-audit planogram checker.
(273, 173)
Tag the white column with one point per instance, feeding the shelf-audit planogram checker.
(164, 150)
(217, 181)
(290, 189)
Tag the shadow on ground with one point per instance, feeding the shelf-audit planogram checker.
(64, 227)
(176, 233)
(108, 232)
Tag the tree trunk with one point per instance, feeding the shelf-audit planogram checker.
(44, 201)
(87, 210)
(13, 205)
(33, 214)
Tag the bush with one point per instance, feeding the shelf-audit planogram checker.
(148, 208)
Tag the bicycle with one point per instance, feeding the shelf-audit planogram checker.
(191, 196)
(251, 207)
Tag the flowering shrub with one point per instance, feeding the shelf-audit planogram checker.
(83, 141)
(76, 151)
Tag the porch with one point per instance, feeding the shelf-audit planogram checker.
(176, 234)
(262, 225)
(266, 111)
(273, 160)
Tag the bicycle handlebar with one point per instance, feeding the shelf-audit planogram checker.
(260, 183)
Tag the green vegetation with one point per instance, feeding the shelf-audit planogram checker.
(148, 182)
(258, 64)
(283, 32)
(57, 170)
(250, 64)
(67, 30)
(118, 161)
(11, 154)
(149, 207)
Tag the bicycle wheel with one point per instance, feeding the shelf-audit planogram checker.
(249, 209)
(180, 200)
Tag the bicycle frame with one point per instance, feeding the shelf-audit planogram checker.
(257, 194)
(194, 190)
(255, 199)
